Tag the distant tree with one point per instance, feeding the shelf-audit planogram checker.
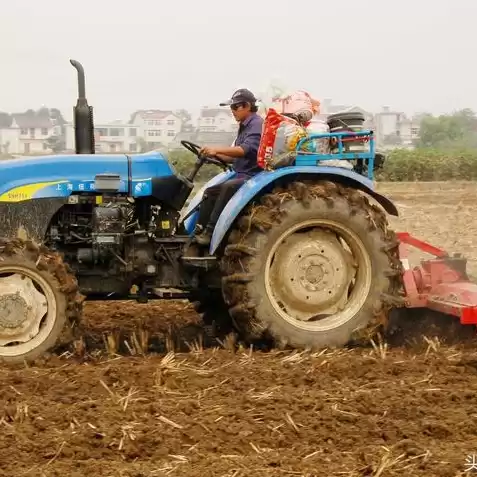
(55, 114)
(5, 120)
(43, 112)
(141, 144)
(457, 129)
(184, 161)
(52, 113)
(184, 116)
(56, 143)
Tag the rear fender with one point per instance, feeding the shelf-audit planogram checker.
(190, 222)
(258, 184)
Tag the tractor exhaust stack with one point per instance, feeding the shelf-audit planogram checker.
(83, 116)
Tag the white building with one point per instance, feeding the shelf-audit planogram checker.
(408, 131)
(9, 141)
(157, 128)
(28, 134)
(394, 128)
(216, 120)
(146, 130)
(114, 137)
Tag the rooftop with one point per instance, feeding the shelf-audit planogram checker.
(150, 114)
(206, 112)
(27, 120)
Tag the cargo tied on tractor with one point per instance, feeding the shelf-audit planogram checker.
(302, 255)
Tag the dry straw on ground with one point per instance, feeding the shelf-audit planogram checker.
(404, 406)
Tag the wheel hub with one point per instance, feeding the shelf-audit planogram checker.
(13, 310)
(312, 273)
(22, 308)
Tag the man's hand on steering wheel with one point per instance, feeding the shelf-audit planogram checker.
(208, 151)
(206, 154)
(216, 161)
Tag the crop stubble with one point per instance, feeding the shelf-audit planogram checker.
(383, 411)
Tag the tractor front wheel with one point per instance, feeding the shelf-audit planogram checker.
(310, 266)
(39, 299)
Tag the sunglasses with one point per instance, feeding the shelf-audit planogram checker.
(234, 107)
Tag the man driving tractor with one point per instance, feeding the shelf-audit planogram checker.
(243, 157)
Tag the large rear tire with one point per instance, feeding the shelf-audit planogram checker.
(39, 301)
(312, 265)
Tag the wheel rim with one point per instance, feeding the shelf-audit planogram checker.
(318, 275)
(27, 310)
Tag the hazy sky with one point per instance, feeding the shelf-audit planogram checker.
(413, 55)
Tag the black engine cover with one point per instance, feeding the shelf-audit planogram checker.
(172, 191)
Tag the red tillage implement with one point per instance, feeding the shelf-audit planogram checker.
(440, 283)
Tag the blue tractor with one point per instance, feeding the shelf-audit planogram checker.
(300, 255)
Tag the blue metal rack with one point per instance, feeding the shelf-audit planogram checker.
(305, 158)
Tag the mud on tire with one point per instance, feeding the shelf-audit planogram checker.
(49, 267)
(262, 226)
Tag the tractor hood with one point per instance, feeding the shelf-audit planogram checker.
(58, 176)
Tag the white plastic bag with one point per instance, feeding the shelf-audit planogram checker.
(273, 90)
(320, 146)
(300, 104)
(286, 100)
(323, 146)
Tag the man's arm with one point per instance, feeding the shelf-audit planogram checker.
(226, 154)
(229, 154)
(225, 158)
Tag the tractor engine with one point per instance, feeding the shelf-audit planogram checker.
(108, 228)
(91, 234)
(114, 245)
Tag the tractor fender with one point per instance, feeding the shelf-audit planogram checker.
(254, 187)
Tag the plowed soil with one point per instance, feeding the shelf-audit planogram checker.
(406, 407)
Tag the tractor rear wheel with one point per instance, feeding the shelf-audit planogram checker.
(39, 301)
(312, 265)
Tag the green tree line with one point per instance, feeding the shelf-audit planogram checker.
(446, 150)
(449, 131)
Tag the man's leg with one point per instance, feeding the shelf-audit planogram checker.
(226, 191)
(209, 200)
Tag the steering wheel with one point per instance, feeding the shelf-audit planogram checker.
(195, 149)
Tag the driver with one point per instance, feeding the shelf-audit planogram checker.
(242, 156)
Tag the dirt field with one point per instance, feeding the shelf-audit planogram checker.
(404, 409)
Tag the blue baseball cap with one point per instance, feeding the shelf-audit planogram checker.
(240, 96)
